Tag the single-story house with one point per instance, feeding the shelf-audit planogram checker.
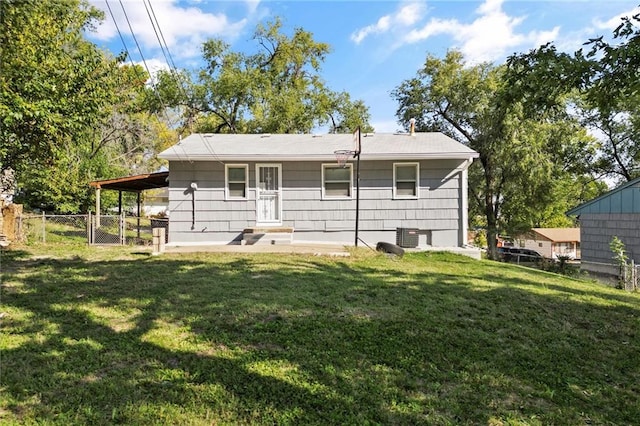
(232, 188)
(552, 242)
(614, 214)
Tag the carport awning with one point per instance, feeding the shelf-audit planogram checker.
(137, 183)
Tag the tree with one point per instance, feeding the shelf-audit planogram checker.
(52, 84)
(276, 90)
(605, 82)
(70, 113)
(523, 163)
(612, 93)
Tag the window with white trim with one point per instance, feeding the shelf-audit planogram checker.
(236, 176)
(336, 181)
(406, 178)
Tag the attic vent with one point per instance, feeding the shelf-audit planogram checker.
(316, 135)
(265, 135)
(369, 135)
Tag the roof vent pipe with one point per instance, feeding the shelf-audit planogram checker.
(412, 124)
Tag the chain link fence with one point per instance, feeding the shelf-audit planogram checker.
(91, 229)
(52, 228)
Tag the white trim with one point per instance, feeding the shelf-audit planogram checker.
(279, 194)
(464, 206)
(227, 195)
(322, 183)
(396, 196)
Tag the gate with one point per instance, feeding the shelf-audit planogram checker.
(122, 230)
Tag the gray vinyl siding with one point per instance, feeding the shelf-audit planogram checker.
(597, 230)
(438, 208)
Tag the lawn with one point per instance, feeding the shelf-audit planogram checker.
(117, 336)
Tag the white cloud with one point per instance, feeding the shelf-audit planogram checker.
(252, 5)
(612, 24)
(407, 15)
(182, 28)
(488, 38)
(154, 65)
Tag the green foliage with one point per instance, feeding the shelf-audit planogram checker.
(70, 113)
(480, 239)
(603, 85)
(618, 249)
(52, 85)
(276, 90)
(561, 266)
(528, 165)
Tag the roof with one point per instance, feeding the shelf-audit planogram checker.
(134, 183)
(308, 147)
(623, 199)
(558, 235)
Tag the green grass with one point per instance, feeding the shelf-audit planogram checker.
(115, 336)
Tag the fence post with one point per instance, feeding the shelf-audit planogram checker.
(122, 229)
(44, 228)
(89, 239)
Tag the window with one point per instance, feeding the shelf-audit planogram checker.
(336, 181)
(405, 180)
(236, 176)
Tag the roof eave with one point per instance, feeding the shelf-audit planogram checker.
(331, 157)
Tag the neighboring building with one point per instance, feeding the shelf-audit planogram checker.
(552, 242)
(616, 213)
(156, 202)
(223, 187)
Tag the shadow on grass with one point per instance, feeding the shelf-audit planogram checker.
(284, 339)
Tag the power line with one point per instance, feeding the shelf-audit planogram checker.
(164, 47)
(153, 25)
(120, 33)
(133, 65)
(172, 64)
(144, 61)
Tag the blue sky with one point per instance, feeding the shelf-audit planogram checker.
(375, 44)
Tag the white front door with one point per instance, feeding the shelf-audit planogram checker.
(268, 193)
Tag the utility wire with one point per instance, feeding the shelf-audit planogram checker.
(126, 17)
(155, 30)
(126, 49)
(172, 66)
(124, 44)
(164, 47)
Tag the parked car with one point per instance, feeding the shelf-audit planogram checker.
(518, 255)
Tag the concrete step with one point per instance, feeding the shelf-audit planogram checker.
(267, 236)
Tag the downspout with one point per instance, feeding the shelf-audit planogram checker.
(193, 187)
(357, 155)
(464, 203)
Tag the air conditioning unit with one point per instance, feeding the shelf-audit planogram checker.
(407, 237)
